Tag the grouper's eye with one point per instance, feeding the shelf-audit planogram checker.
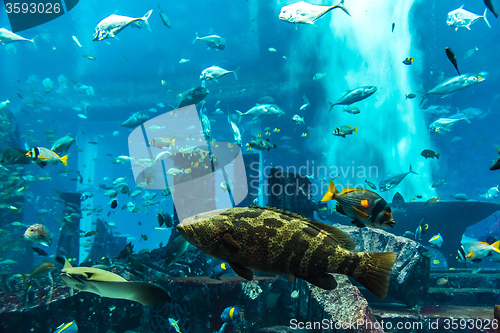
(197, 216)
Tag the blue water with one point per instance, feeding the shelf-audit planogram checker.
(352, 51)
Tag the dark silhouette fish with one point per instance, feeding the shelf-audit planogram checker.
(489, 4)
(192, 96)
(452, 58)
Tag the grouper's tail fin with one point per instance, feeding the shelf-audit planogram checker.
(377, 272)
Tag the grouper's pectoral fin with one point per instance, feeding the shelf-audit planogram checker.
(244, 272)
(325, 281)
(231, 243)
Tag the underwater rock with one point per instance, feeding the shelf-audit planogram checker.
(410, 273)
(291, 192)
(345, 305)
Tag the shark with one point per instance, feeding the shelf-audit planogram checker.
(107, 284)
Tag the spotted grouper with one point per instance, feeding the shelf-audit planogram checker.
(273, 241)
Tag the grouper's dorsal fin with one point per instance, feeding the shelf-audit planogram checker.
(340, 237)
(281, 211)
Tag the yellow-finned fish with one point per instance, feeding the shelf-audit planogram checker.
(42, 156)
(274, 241)
(365, 207)
(475, 251)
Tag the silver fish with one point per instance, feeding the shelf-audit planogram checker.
(455, 84)
(306, 13)
(7, 37)
(392, 181)
(215, 72)
(236, 131)
(354, 96)
(460, 18)
(110, 26)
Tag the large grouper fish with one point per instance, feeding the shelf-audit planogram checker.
(274, 241)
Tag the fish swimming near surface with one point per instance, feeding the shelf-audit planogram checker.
(192, 96)
(451, 56)
(489, 5)
(390, 182)
(107, 284)
(110, 26)
(460, 18)
(213, 73)
(262, 110)
(476, 251)
(354, 96)
(306, 13)
(42, 156)
(365, 207)
(212, 41)
(7, 37)
(38, 233)
(274, 241)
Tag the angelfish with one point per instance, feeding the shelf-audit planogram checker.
(453, 59)
(107, 284)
